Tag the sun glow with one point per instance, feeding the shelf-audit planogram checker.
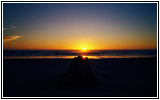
(83, 49)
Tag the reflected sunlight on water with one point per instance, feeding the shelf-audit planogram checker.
(70, 57)
(69, 54)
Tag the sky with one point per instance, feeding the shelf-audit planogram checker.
(68, 26)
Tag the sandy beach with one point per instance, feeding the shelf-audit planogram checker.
(127, 77)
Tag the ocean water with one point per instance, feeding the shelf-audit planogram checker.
(68, 54)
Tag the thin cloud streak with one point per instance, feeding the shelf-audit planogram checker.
(10, 27)
(4, 28)
(10, 38)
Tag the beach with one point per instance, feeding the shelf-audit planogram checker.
(117, 77)
(80, 49)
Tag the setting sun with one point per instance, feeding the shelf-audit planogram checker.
(65, 49)
(83, 49)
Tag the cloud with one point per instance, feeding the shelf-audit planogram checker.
(10, 27)
(4, 28)
(10, 38)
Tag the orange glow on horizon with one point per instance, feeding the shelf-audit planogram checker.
(83, 46)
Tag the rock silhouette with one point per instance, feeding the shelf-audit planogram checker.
(79, 74)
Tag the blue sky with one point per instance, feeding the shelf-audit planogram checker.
(90, 25)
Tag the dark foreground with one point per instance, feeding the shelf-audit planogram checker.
(136, 77)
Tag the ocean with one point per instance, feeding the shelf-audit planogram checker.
(69, 54)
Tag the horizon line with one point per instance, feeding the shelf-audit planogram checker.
(80, 49)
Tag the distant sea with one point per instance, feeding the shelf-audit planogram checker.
(68, 54)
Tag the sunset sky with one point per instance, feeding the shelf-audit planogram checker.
(79, 25)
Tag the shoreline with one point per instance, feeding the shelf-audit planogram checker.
(71, 57)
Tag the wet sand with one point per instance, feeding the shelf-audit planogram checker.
(127, 77)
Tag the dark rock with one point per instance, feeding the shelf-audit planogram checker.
(79, 74)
